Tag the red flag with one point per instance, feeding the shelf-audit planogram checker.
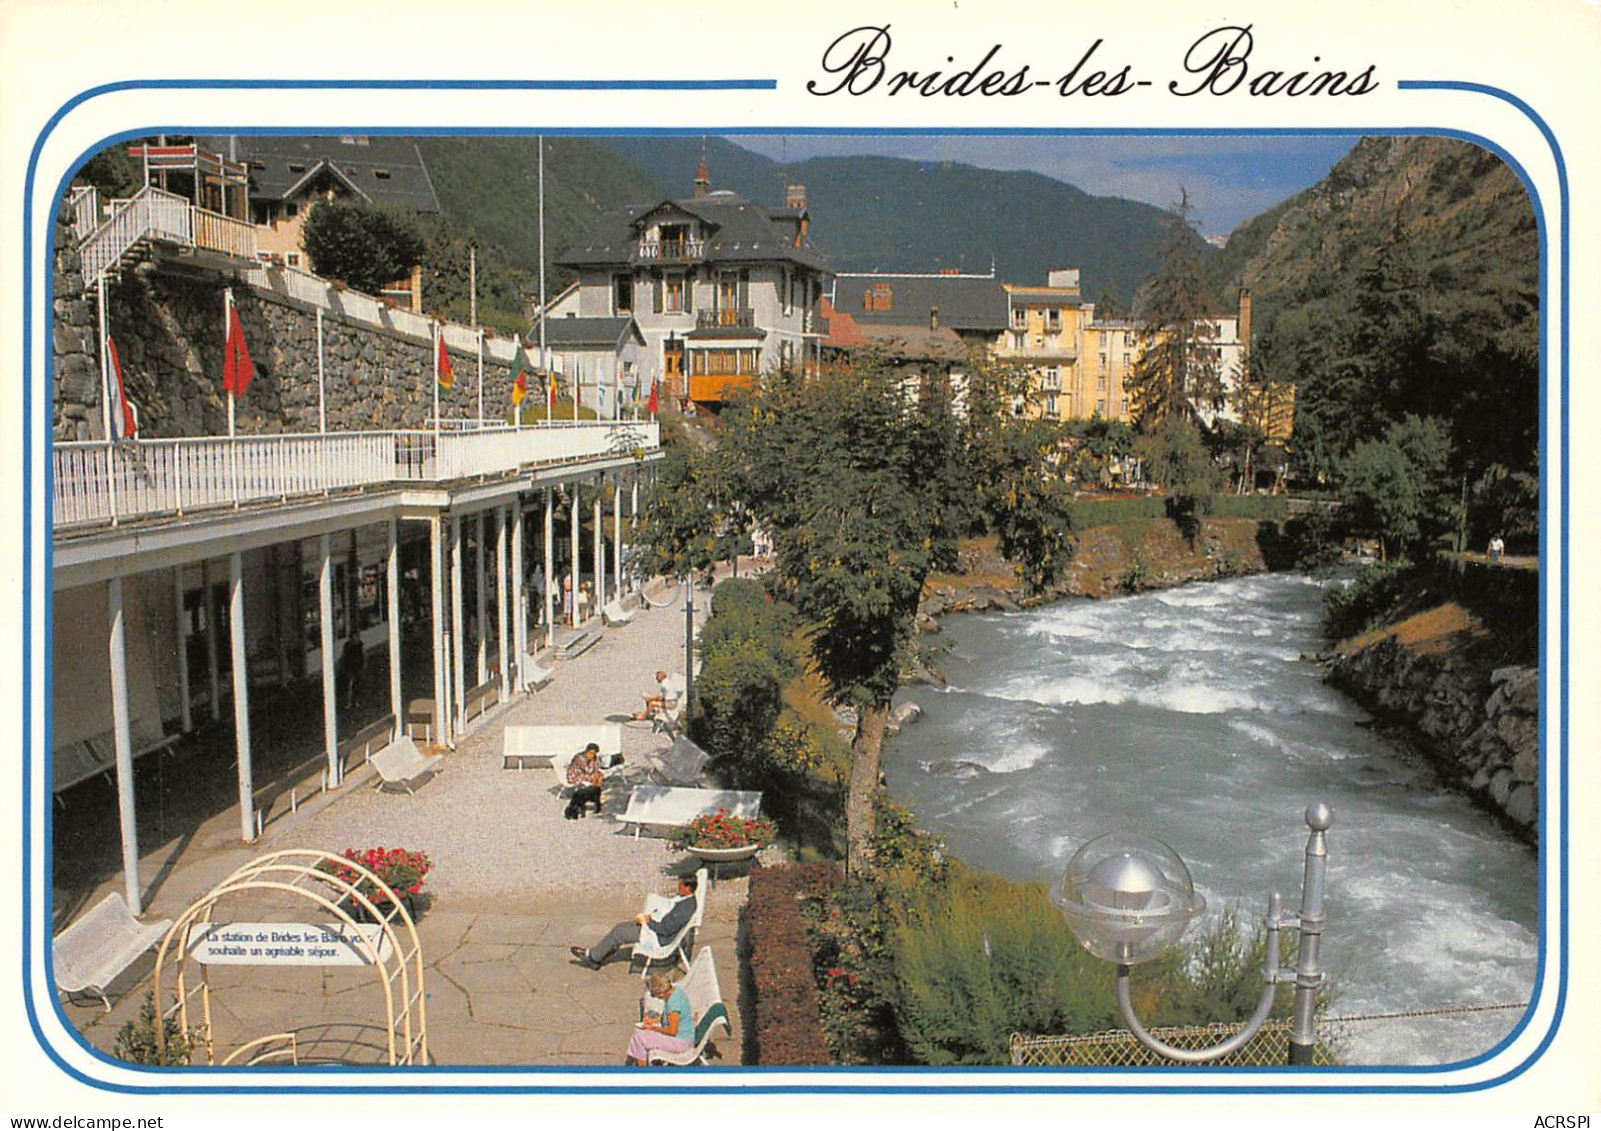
(124, 420)
(652, 403)
(552, 391)
(447, 378)
(237, 368)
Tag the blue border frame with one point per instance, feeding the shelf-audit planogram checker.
(264, 1080)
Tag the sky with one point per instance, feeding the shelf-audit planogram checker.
(1229, 179)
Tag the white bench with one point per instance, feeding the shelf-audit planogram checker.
(576, 644)
(532, 674)
(615, 615)
(401, 763)
(674, 806)
(554, 745)
(90, 953)
(706, 1004)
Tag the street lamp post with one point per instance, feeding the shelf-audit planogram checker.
(1128, 898)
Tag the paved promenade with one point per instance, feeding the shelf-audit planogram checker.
(513, 885)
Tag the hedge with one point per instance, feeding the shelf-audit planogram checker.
(786, 1019)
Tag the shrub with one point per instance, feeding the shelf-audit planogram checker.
(786, 1018)
(136, 1040)
(1371, 596)
(745, 617)
(738, 696)
(1262, 508)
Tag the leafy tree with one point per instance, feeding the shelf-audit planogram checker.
(362, 245)
(1102, 445)
(684, 528)
(1176, 458)
(1177, 372)
(1399, 487)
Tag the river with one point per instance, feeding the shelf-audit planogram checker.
(1188, 714)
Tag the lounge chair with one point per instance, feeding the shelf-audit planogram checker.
(401, 763)
(615, 615)
(104, 942)
(681, 764)
(533, 674)
(679, 947)
(706, 1007)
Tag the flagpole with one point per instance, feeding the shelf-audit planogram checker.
(480, 376)
(322, 389)
(544, 349)
(578, 386)
(436, 389)
(105, 398)
(227, 325)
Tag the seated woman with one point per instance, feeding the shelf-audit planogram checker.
(671, 1031)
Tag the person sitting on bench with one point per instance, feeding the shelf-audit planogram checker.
(671, 921)
(583, 772)
(657, 702)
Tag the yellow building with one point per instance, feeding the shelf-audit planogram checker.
(1045, 330)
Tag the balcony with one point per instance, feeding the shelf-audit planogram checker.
(96, 483)
(729, 317)
(152, 215)
(670, 251)
(714, 388)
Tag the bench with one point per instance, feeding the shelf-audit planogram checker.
(615, 615)
(553, 746)
(533, 675)
(672, 806)
(79, 761)
(706, 1004)
(420, 713)
(481, 698)
(91, 952)
(375, 735)
(576, 644)
(401, 763)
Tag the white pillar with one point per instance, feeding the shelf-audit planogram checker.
(501, 622)
(633, 531)
(572, 567)
(180, 622)
(436, 584)
(519, 632)
(617, 540)
(483, 607)
(395, 704)
(550, 566)
(209, 604)
(599, 548)
(124, 747)
(241, 696)
(458, 637)
(330, 690)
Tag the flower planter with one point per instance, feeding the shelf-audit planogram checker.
(723, 855)
(358, 910)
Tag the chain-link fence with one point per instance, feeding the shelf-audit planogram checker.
(1270, 1048)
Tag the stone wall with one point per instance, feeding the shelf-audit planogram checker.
(1482, 734)
(168, 326)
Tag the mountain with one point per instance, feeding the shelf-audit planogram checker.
(1405, 282)
(890, 214)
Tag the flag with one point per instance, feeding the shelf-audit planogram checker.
(552, 376)
(124, 418)
(652, 405)
(519, 384)
(237, 368)
(447, 379)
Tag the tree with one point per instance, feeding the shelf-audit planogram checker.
(1176, 458)
(1399, 488)
(685, 511)
(362, 245)
(1177, 372)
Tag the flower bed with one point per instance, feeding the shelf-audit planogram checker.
(785, 1008)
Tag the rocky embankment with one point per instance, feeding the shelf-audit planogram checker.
(1480, 727)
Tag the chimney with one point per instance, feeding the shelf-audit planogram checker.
(1245, 316)
(795, 196)
(703, 183)
(933, 318)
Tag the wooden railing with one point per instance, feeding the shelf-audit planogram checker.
(99, 482)
(216, 232)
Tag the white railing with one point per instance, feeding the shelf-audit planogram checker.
(100, 482)
(85, 202)
(153, 212)
(670, 251)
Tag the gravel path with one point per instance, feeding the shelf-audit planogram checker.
(492, 832)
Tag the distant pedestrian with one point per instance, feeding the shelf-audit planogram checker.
(352, 658)
(1497, 548)
(537, 587)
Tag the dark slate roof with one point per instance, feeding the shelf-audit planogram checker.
(966, 302)
(741, 232)
(283, 166)
(605, 332)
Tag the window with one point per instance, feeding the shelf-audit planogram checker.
(1050, 406)
(1103, 359)
(674, 294)
(1100, 384)
(1019, 340)
(1020, 317)
(623, 294)
(293, 259)
(1100, 406)
(1053, 321)
(1128, 337)
(1125, 360)
(291, 208)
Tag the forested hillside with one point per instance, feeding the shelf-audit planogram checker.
(1405, 283)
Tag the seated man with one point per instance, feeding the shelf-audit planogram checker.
(667, 690)
(584, 773)
(668, 924)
